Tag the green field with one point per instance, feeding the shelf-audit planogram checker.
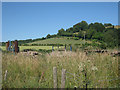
(59, 41)
(32, 47)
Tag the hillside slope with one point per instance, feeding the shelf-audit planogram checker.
(59, 41)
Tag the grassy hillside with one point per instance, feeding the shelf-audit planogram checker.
(59, 41)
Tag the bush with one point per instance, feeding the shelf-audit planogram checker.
(76, 38)
(103, 46)
(25, 50)
(94, 40)
(44, 51)
(35, 44)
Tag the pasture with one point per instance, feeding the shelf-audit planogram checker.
(25, 71)
(33, 47)
(61, 40)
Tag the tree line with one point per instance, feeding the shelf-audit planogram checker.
(105, 33)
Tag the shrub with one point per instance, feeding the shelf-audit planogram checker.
(76, 38)
(44, 51)
(103, 46)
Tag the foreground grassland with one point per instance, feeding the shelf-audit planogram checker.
(25, 71)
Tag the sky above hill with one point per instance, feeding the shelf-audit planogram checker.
(30, 20)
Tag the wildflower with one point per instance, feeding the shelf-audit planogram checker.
(80, 67)
(94, 68)
(88, 60)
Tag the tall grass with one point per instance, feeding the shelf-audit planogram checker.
(25, 71)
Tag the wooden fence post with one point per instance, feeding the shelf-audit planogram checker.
(63, 78)
(58, 46)
(41, 77)
(55, 77)
(74, 76)
(86, 80)
(65, 47)
(52, 48)
(70, 48)
(5, 75)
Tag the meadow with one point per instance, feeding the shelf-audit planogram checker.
(25, 71)
(62, 40)
(32, 47)
(96, 70)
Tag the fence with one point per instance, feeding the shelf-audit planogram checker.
(71, 76)
(70, 47)
(76, 78)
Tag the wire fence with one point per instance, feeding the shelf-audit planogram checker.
(75, 78)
